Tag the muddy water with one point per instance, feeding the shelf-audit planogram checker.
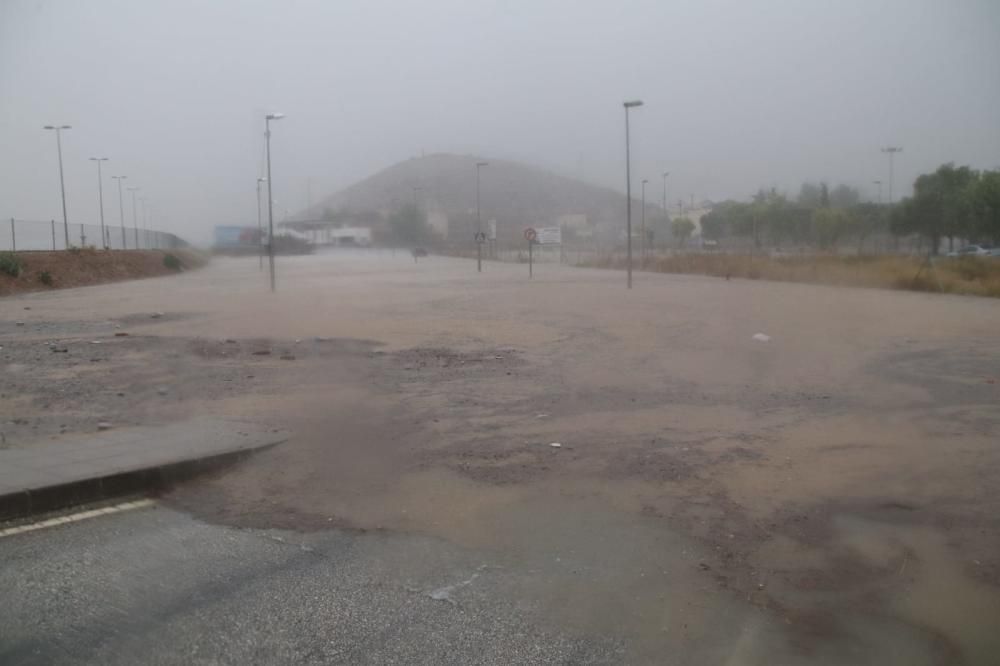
(825, 497)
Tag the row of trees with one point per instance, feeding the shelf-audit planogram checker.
(820, 217)
(953, 203)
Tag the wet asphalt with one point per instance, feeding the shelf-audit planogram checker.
(155, 586)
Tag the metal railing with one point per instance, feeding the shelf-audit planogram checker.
(27, 235)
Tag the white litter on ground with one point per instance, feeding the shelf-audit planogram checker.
(556, 445)
(760, 337)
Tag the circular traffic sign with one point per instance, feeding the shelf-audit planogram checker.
(530, 234)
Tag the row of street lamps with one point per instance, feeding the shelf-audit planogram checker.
(105, 232)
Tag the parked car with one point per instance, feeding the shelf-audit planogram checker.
(970, 251)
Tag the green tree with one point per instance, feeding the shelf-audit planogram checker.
(830, 225)
(941, 206)
(984, 200)
(682, 229)
(870, 219)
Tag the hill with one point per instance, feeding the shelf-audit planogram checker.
(516, 195)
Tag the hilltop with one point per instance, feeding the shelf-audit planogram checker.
(515, 194)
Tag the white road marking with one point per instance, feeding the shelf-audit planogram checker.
(75, 517)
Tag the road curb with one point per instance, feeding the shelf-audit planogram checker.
(156, 478)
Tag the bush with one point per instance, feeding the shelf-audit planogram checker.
(45, 278)
(172, 262)
(10, 264)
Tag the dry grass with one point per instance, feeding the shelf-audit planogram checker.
(80, 267)
(977, 276)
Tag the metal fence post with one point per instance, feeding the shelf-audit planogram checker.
(13, 237)
(53, 235)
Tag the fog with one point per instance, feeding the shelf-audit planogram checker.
(737, 94)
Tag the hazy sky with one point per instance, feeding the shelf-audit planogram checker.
(738, 94)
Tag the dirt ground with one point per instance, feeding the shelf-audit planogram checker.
(826, 496)
(77, 268)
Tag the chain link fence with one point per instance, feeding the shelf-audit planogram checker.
(28, 235)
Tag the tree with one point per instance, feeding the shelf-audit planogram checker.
(809, 196)
(941, 206)
(408, 226)
(869, 220)
(832, 224)
(984, 200)
(844, 196)
(682, 229)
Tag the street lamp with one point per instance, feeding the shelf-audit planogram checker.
(891, 151)
(260, 228)
(145, 223)
(62, 186)
(135, 219)
(100, 197)
(121, 207)
(479, 221)
(628, 188)
(642, 251)
(270, 200)
(665, 174)
(879, 183)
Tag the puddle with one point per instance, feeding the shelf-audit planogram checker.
(927, 585)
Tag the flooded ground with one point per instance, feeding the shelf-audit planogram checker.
(826, 496)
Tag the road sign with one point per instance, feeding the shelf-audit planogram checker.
(549, 235)
(480, 237)
(530, 235)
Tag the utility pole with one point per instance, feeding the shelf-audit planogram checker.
(100, 197)
(891, 151)
(628, 190)
(479, 221)
(62, 185)
(121, 208)
(270, 199)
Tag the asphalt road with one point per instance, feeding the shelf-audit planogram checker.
(153, 586)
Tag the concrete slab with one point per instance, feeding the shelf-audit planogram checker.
(87, 468)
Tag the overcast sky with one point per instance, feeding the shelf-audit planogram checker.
(738, 94)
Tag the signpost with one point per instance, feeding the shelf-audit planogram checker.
(480, 239)
(531, 236)
(549, 235)
(491, 236)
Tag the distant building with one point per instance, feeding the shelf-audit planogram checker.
(232, 239)
(325, 232)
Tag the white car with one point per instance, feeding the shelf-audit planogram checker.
(970, 251)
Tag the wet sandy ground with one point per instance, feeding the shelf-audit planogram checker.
(824, 497)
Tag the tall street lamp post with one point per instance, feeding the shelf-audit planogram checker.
(135, 218)
(479, 221)
(260, 228)
(270, 199)
(121, 208)
(891, 152)
(62, 185)
(628, 188)
(100, 197)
